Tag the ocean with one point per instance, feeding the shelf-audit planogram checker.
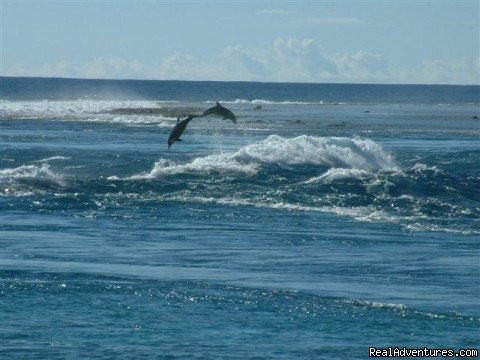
(331, 218)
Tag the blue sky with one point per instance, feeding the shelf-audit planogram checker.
(294, 41)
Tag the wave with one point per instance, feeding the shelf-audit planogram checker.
(267, 102)
(28, 177)
(53, 158)
(95, 109)
(339, 174)
(159, 121)
(351, 177)
(366, 214)
(213, 163)
(276, 150)
(311, 150)
(405, 310)
(88, 110)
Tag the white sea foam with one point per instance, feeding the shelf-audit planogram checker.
(265, 102)
(368, 214)
(311, 150)
(375, 304)
(360, 213)
(358, 154)
(81, 110)
(419, 168)
(339, 174)
(156, 120)
(39, 109)
(418, 226)
(204, 165)
(53, 158)
(29, 175)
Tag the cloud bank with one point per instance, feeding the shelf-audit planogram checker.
(285, 60)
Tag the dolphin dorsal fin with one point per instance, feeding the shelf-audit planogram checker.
(178, 119)
(218, 104)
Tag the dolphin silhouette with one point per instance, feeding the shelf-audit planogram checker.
(179, 128)
(220, 111)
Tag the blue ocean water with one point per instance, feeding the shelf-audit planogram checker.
(329, 219)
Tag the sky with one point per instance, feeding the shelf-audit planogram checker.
(409, 42)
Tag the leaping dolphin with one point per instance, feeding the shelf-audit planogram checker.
(179, 128)
(221, 111)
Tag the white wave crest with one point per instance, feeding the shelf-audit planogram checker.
(53, 158)
(265, 102)
(358, 154)
(157, 120)
(368, 214)
(339, 174)
(361, 213)
(29, 175)
(311, 150)
(419, 168)
(82, 110)
(204, 165)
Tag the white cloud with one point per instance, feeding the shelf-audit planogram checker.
(276, 12)
(111, 68)
(361, 66)
(285, 60)
(289, 60)
(60, 69)
(183, 67)
(459, 71)
(335, 20)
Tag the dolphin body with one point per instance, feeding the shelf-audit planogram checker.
(179, 128)
(220, 111)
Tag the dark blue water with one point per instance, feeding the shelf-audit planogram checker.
(329, 219)
(18, 89)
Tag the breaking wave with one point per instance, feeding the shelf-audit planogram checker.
(338, 152)
(351, 177)
(85, 110)
(266, 102)
(28, 178)
(339, 174)
(53, 158)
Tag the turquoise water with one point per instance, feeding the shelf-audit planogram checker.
(311, 229)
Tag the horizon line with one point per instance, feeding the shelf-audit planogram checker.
(236, 81)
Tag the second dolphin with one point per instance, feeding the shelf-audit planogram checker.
(220, 111)
(179, 128)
